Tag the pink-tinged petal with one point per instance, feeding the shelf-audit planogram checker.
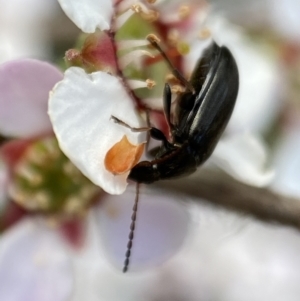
(34, 264)
(98, 50)
(96, 278)
(80, 108)
(161, 226)
(89, 15)
(244, 157)
(24, 90)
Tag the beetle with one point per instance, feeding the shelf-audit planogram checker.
(201, 115)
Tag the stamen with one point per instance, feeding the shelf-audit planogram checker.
(123, 18)
(151, 16)
(73, 205)
(147, 14)
(125, 5)
(52, 222)
(133, 56)
(178, 16)
(138, 84)
(150, 83)
(51, 147)
(173, 37)
(177, 89)
(17, 194)
(129, 44)
(171, 79)
(154, 103)
(41, 200)
(69, 168)
(204, 33)
(28, 173)
(87, 192)
(39, 172)
(36, 157)
(136, 8)
(184, 12)
(152, 38)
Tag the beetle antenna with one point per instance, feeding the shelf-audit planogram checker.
(154, 42)
(132, 228)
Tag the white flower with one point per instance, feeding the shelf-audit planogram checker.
(244, 157)
(34, 264)
(161, 229)
(80, 109)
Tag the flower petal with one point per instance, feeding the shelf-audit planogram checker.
(285, 19)
(4, 179)
(80, 109)
(24, 89)
(244, 158)
(260, 82)
(89, 14)
(161, 226)
(33, 260)
(287, 162)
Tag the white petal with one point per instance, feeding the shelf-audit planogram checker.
(34, 265)
(25, 31)
(89, 15)
(80, 109)
(260, 85)
(287, 162)
(161, 226)
(244, 158)
(284, 17)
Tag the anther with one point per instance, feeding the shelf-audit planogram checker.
(150, 83)
(155, 43)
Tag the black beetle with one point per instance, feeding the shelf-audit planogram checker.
(201, 115)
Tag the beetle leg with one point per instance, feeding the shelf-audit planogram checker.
(174, 70)
(167, 98)
(133, 129)
(153, 132)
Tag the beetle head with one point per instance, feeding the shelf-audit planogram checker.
(144, 172)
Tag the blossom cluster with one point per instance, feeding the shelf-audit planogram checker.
(65, 162)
